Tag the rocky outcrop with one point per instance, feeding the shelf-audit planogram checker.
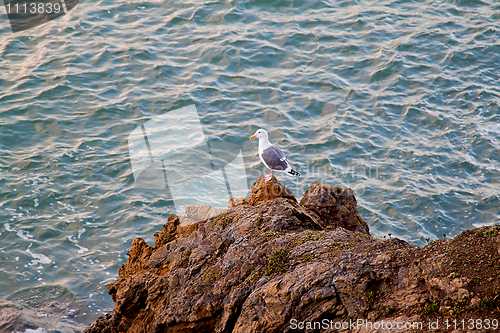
(262, 191)
(334, 207)
(275, 265)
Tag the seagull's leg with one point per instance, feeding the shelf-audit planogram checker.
(269, 177)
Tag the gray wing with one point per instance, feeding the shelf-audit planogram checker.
(275, 158)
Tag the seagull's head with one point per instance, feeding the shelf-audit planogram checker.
(260, 133)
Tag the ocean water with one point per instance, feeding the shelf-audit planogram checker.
(397, 99)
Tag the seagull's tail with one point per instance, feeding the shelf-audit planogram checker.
(294, 173)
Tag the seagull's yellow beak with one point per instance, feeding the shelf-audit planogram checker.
(253, 136)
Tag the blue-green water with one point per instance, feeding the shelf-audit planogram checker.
(398, 100)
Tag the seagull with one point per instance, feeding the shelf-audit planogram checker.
(272, 156)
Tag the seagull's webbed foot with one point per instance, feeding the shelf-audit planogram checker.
(268, 178)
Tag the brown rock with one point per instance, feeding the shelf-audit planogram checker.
(169, 232)
(137, 255)
(254, 268)
(334, 206)
(173, 230)
(262, 191)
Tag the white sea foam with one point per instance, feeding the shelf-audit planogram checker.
(38, 258)
(24, 234)
(492, 129)
(485, 224)
(82, 230)
(38, 330)
(73, 240)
